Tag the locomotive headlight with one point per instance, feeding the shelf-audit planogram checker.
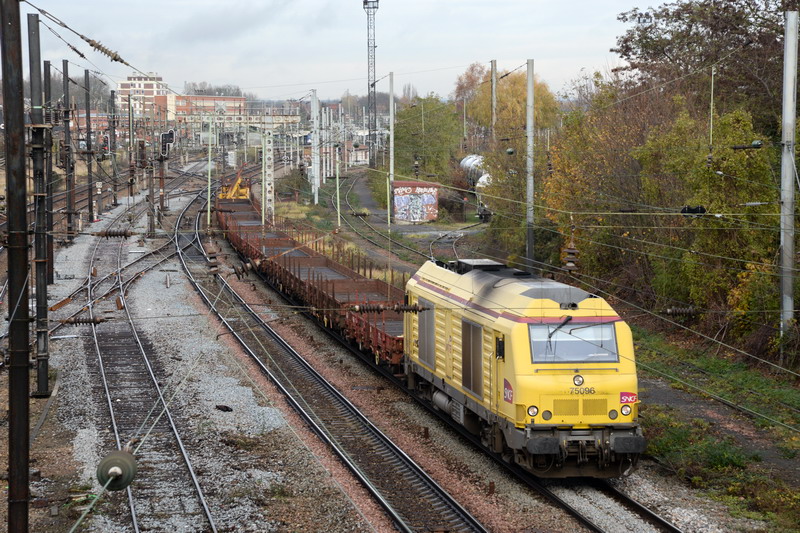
(533, 410)
(578, 380)
(612, 414)
(547, 415)
(625, 410)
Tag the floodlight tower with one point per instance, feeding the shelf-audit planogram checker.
(371, 6)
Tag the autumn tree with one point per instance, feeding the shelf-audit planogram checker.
(428, 135)
(719, 257)
(467, 83)
(504, 159)
(512, 93)
(680, 42)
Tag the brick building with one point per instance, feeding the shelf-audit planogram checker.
(142, 92)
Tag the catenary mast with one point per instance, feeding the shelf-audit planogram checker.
(371, 6)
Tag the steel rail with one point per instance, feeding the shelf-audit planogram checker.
(165, 406)
(164, 409)
(466, 521)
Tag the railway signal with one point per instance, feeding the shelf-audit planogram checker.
(167, 140)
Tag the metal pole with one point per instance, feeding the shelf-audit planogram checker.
(268, 198)
(48, 173)
(112, 145)
(391, 153)
(208, 196)
(89, 153)
(711, 112)
(130, 128)
(529, 165)
(326, 115)
(18, 330)
(371, 6)
(338, 204)
(787, 173)
(323, 137)
(315, 163)
(151, 223)
(40, 200)
(263, 180)
(464, 108)
(162, 161)
(494, 96)
(68, 151)
(131, 161)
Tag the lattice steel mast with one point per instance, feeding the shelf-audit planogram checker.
(371, 6)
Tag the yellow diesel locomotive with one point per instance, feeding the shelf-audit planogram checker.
(542, 371)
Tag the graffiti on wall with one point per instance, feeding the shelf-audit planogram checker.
(415, 203)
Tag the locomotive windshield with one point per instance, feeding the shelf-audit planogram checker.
(572, 342)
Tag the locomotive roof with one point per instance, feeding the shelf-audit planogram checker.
(491, 286)
(488, 275)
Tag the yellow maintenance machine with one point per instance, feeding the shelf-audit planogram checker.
(239, 190)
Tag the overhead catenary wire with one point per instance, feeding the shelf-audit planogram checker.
(622, 248)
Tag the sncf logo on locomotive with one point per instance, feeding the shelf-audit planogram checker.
(628, 397)
(508, 392)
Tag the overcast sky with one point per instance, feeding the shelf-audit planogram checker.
(283, 48)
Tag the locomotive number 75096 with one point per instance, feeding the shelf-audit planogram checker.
(581, 390)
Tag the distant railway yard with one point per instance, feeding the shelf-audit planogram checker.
(285, 307)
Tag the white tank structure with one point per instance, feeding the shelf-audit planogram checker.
(478, 179)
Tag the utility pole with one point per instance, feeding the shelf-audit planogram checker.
(48, 172)
(371, 6)
(315, 163)
(112, 146)
(88, 152)
(40, 202)
(17, 225)
(788, 173)
(68, 154)
(390, 189)
(494, 97)
(529, 165)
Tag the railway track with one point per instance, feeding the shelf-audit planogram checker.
(107, 284)
(412, 499)
(566, 496)
(558, 493)
(127, 380)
